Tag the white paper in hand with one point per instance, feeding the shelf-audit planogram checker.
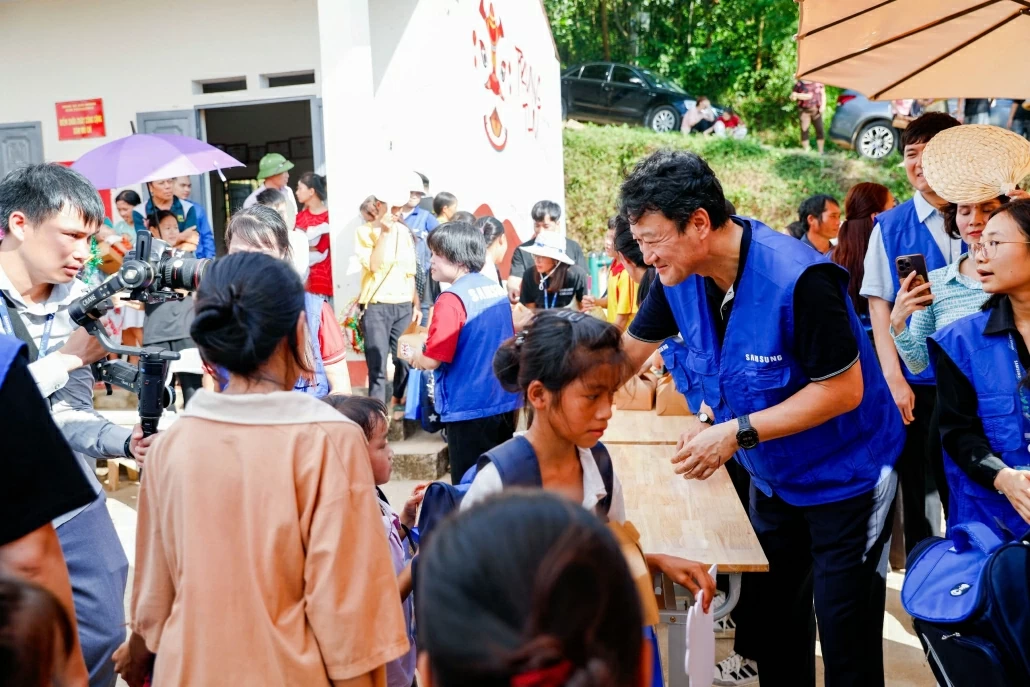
(700, 657)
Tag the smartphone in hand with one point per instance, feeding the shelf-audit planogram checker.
(907, 264)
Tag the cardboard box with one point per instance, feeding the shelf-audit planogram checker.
(411, 342)
(636, 394)
(669, 401)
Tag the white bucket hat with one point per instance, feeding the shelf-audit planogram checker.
(549, 244)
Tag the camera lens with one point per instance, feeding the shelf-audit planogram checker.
(182, 273)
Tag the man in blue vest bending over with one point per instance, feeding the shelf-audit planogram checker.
(794, 389)
(915, 226)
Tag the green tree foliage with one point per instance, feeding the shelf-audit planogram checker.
(740, 53)
(760, 180)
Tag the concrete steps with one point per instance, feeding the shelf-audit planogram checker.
(419, 456)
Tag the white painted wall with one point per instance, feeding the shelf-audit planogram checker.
(425, 106)
(145, 56)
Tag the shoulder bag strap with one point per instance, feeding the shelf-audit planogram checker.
(20, 330)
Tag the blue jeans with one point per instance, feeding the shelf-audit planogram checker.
(836, 553)
(1021, 127)
(98, 570)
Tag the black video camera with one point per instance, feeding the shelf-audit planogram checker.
(152, 273)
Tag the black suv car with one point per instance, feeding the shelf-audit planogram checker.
(607, 92)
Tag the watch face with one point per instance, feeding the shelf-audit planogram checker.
(747, 438)
(703, 417)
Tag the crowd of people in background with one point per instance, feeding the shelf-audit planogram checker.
(868, 379)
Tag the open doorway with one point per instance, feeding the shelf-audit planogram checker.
(248, 132)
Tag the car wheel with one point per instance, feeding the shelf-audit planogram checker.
(663, 119)
(876, 140)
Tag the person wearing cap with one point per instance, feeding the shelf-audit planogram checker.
(784, 364)
(385, 251)
(274, 172)
(546, 215)
(182, 187)
(981, 363)
(554, 280)
(162, 197)
(915, 226)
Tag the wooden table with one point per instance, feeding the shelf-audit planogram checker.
(643, 427)
(698, 520)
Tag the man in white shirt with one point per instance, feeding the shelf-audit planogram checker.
(915, 226)
(47, 215)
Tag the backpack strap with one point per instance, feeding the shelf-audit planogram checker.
(604, 464)
(516, 463)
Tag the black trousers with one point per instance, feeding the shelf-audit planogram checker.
(750, 630)
(469, 439)
(384, 323)
(920, 464)
(835, 553)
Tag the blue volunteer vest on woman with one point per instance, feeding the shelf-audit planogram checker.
(754, 369)
(466, 387)
(988, 364)
(904, 234)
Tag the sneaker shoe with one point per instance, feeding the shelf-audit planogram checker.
(736, 670)
(725, 628)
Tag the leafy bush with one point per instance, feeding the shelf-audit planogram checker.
(761, 181)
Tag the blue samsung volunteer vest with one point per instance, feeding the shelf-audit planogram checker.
(754, 369)
(987, 362)
(674, 354)
(466, 387)
(319, 387)
(904, 234)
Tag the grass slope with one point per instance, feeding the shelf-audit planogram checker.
(762, 181)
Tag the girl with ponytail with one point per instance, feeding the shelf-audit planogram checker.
(259, 551)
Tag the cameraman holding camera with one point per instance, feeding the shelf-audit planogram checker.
(47, 215)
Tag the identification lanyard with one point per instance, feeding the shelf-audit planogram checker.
(1024, 396)
(551, 302)
(5, 318)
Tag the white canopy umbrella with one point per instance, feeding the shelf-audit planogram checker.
(893, 49)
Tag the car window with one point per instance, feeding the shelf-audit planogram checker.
(598, 72)
(574, 72)
(662, 82)
(624, 75)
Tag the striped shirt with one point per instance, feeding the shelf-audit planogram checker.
(954, 296)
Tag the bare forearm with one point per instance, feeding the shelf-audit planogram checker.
(339, 377)
(814, 404)
(379, 251)
(886, 351)
(639, 353)
(37, 558)
(622, 322)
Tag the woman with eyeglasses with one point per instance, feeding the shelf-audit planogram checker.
(983, 392)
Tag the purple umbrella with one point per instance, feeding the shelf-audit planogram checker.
(140, 158)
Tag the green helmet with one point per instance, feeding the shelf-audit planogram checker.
(273, 164)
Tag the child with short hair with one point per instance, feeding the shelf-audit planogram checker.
(371, 415)
(36, 635)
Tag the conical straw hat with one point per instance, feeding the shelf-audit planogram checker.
(975, 162)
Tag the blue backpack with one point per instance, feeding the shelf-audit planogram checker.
(968, 597)
(517, 465)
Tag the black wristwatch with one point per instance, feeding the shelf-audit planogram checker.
(126, 449)
(747, 436)
(706, 418)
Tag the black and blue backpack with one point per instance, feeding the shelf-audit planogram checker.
(969, 597)
(517, 465)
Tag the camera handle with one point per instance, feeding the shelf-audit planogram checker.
(148, 380)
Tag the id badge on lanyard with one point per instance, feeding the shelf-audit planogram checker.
(1024, 395)
(5, 320)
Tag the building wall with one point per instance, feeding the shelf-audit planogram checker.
(145, 57)
(431, 108)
